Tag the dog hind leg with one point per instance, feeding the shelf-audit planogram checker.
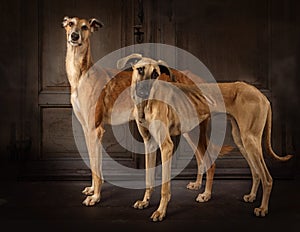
(255, 176)
(253, 148)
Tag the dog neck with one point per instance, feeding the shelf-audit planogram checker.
(78, 62)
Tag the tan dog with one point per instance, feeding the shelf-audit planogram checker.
(248, 108)
(94, 111)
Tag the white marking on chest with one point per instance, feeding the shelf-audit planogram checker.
(75, 101)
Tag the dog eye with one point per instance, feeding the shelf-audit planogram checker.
(71, 24)
(141, 70)
(84, 28)
(154, 74)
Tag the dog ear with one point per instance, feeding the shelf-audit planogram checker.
(164, 68)
(65, 21)
(95, 24)
(131, 59)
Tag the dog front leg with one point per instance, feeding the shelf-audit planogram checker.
(206, 195)
(89, 190)
(150, 162)
(95, 154)
(199, 154)
(166, 154)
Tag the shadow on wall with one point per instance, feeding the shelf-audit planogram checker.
(286, 83)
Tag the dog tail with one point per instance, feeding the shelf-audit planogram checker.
(268, 139)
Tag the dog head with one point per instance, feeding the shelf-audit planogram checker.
(79, 30)
(144, 72)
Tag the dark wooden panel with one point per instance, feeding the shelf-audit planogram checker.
(57, 134)
(62, 136)
(10, 75)
(229, 36)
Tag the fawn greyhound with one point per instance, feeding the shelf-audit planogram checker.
(94, 111)
(249, 110)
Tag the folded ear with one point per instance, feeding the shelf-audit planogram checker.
(64, 23)
(95, 24)
(164, 68)
(131, 59)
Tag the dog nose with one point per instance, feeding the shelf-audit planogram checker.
(142, 89)
(75, 36)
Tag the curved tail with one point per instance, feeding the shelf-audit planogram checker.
(269, 149)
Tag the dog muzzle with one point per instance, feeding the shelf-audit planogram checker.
(142, 89)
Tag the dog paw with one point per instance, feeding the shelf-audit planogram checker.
(158, 216)
(88, 191)
(260, 212)
(141, 204)
(91, 200)
(203, 197)
(193, 185)
(249, 198)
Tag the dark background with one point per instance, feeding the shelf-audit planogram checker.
(254, 41)
(251, 40)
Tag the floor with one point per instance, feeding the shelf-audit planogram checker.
(56, 206)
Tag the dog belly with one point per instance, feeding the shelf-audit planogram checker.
(185, 124)
(190, 124)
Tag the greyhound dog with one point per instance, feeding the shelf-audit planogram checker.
(92, 108)
(249, 110)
